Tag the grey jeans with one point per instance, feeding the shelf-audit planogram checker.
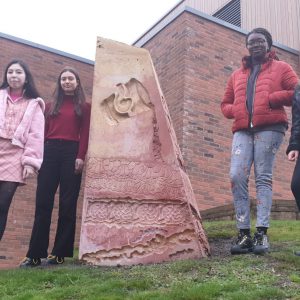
(257, 148)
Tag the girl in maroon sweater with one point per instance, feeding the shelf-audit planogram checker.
(66, 141)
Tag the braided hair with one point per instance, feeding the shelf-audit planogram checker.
(264, 32)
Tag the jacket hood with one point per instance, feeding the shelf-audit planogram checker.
(41, 103)
(247, 61)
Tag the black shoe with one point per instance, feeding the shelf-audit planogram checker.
(244, 244)
(55, 260)
(261, 243)
(297, 253)
(30, 262)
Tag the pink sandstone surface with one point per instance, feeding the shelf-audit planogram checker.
(139, 206)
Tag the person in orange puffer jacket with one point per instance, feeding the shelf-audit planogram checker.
(254, 98)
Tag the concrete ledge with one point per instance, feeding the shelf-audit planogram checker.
(281, 210)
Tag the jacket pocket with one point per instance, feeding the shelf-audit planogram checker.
(261, 104)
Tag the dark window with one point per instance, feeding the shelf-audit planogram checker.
(230, 13)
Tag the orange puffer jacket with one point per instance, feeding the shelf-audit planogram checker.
(274, 89)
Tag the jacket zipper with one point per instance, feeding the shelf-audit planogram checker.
(253, 97)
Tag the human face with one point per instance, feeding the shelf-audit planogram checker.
(68, 82)
(257, 45)
(16, 77)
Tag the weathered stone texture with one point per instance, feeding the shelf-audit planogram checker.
(139, 206)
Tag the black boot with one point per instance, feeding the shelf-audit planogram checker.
(261, 243)
(29, 262)
(54, 260)
(243, 245)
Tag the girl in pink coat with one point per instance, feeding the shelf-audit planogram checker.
(21, 133)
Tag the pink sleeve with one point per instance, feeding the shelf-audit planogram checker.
(34, 146)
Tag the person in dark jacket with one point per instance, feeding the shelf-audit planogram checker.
(254, 98)
(294, 148)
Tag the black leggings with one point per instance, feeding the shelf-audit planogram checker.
(7, 191)
(295, 184)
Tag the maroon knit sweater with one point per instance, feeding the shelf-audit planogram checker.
(68, 126)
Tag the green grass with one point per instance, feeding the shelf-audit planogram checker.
(273, 276)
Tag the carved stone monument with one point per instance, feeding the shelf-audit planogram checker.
(139, 206)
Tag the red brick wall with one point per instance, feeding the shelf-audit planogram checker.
(45, 67)
(169, 55)
(194, 58)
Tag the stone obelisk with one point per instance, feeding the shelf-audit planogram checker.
(139, 206)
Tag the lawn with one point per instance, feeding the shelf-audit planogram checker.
(221, 276)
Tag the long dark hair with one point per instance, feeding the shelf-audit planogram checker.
(78, 99)
(29, 89)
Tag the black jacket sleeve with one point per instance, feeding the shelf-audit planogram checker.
(294, 143)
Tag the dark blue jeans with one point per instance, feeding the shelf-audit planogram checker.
(57, 170)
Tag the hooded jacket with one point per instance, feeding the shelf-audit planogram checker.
(29, 134)
(294, 143)
(273, 90)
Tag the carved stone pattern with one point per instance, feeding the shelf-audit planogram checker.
(156, 142)
(158, 244)
(134, 178)
(135, 212)
(128, 100)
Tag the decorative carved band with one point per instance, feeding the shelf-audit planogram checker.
(157, 180)
(137, 212)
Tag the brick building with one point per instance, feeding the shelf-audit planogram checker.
(194, 54)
